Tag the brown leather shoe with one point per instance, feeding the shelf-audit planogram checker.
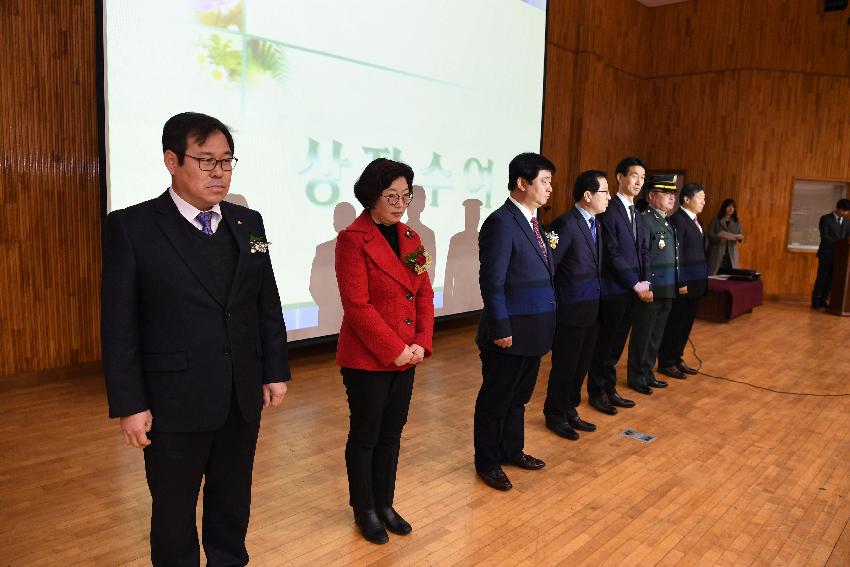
(496, 479)
(527, 462)
(687, 369)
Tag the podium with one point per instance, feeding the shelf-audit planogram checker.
(839, 297)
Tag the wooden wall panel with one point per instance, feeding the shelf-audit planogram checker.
(49, 193)
(745, 96)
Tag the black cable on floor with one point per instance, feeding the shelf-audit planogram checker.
(756, 386)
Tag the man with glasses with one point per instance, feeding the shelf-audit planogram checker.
(578, 260)
(194, 343)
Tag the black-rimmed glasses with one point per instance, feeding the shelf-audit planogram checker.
(208, 164)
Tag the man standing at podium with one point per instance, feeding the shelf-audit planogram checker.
(833, 227)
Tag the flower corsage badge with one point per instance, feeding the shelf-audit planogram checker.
(258, 244)
(419, 260)
(552, 238)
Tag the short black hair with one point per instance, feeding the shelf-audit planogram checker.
(689, 191)
(178, 128)
(627, 162)
(377, 176)
(587, 181)
(843, 204)
(722, 212)
(527, 166)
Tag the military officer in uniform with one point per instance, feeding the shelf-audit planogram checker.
(650, 318)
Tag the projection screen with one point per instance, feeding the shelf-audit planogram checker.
(313, 91)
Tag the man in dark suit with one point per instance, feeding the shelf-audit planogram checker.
(578, 285)
(833, 227)
(518, 319)
(624, 259)
(650, 318)
(693, 274)
(194, 343)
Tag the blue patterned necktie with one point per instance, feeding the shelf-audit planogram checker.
(592, 222)
(205, 218)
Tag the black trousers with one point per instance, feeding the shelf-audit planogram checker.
(615, 317)
(378, 403)
(823, 282)
(647, 331)
(571, 355)
(499, 422)
(175, 464)
(678, 329)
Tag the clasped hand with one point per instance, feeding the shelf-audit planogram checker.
(412, 354)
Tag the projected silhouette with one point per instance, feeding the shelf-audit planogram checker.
(323, 287)
(429, 241)
(460, 288)
(237, 199)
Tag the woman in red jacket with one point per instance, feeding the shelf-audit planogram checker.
(387, 324)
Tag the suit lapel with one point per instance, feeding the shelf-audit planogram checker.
(380, 251)
(172, 224)
(585, 231)
(230, 218)
(525, 227)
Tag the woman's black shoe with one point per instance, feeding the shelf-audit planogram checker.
(371, 527)
(395, 523)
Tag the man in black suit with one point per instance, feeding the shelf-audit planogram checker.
(517, 323)
(194, 343)
(693, 274)
(624, 282)
(578, 286)
(834, 226)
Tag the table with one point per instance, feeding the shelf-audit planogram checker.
(727, 299)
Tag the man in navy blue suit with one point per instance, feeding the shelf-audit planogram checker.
(624, 261)
(693, 275)
(578, 285)
(518, 320)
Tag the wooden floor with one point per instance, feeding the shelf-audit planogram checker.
(737, 476)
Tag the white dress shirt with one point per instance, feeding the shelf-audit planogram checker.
(189, 212)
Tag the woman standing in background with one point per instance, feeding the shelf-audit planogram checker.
(724, 234)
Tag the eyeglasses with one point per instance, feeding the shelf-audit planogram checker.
(393, 198)
(208, 164)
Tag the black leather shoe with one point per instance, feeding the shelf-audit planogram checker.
(686, 369)
(563, 429)
(602, 405)
(395, 523)
(496, 479)
(640, 388)
(672, 372)
(618, 401)
(578, 423)
(527, 462)
(371, 527)
(656, 383)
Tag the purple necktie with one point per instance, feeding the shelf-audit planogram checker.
(205, 218)
(536, 226)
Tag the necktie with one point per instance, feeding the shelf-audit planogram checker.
(205, 218)
(536, 227)
(592, 222)
(632, 221)
(696, 222)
